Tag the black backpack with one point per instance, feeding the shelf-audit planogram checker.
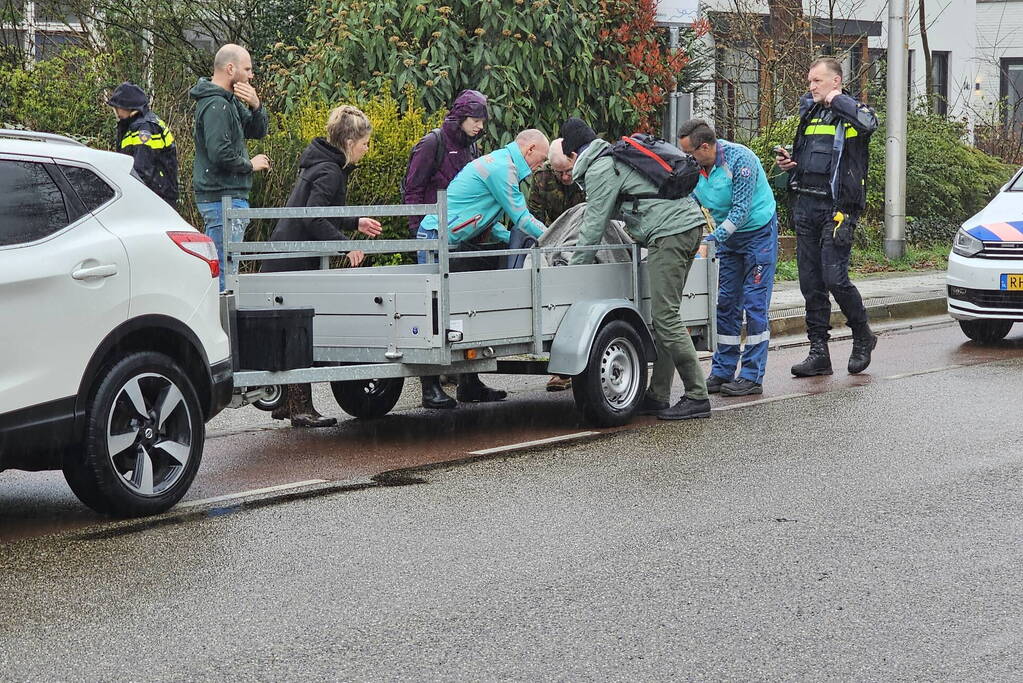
(438, 157)
(674, 172)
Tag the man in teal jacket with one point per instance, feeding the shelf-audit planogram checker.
(734, 188)
(670, 229)
(477, 197)
(227, 113)
(489, 187)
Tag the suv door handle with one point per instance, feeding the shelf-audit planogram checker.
(94, 272)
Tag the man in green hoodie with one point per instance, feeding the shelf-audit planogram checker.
(227, 113)
(670, 229)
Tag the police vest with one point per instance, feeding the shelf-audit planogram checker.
(818, 154)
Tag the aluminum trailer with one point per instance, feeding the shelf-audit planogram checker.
(374, 326)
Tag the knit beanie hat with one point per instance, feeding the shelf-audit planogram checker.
(575, 133)
(128, 96)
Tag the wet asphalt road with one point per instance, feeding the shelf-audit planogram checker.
(869, 532)
(246, 450)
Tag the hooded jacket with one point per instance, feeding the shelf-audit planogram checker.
(485, 190)
(424, 177)
(149, 141)
(222, 124)
(322, 181)
(645, 220)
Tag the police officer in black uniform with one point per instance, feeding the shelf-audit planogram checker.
(141, 134)
(827, 180)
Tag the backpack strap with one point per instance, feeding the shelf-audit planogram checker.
(438, 154)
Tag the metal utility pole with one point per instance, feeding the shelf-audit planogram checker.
(895, 142)
(673, 122)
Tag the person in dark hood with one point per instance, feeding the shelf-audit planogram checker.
(324, 169)
(142, 135)
(435, 161)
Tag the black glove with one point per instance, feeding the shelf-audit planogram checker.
(842, 234)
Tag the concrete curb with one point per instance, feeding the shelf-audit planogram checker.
(793, 321)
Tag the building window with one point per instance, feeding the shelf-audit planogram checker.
(43, 28)
(738, 94)
(1011, 91)
(939, 77)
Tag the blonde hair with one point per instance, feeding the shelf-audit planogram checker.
(346, 123)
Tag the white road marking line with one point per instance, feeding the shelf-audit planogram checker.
(924, 372)
(253, 492)
(527, 444)
(772, 399)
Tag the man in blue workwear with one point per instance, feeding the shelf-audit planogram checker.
(734, 189)
(483, 191)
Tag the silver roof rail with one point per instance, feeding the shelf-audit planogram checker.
(39, 137)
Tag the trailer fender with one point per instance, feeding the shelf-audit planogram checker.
(570, 350)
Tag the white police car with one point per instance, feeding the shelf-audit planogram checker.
(985, 268)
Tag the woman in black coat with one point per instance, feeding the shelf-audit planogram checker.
(322, 181)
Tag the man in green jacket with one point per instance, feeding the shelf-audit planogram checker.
(227, 113)
(671, 232)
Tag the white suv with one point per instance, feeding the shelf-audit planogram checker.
(112, 351)
(985, 268)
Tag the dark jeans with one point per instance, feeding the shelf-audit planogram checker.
(824, 268)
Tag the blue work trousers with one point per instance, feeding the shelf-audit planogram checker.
(746, 279)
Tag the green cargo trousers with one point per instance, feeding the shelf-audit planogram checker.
(668, 261)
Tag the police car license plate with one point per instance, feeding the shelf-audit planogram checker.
(1012, 281)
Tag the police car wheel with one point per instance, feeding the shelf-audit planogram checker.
(986, 331)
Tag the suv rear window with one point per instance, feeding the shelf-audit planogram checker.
(91, 189)
(31, 203)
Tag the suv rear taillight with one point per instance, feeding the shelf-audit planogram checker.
(199, 246)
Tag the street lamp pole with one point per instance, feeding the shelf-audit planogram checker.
(895, 141)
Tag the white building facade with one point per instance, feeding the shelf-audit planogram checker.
(856, 32)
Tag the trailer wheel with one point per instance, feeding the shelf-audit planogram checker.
(611, 388)
(368, 398)
(986, 331)
(273, 396)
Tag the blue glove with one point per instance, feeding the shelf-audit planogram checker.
(719, 235)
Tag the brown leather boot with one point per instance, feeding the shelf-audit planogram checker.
(300, 408)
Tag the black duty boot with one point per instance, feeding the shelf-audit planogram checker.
(434, 396)
(300, 405)
(818, 362)
(864, 342)
(686, 409)
(714, 383)
(472, 390)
